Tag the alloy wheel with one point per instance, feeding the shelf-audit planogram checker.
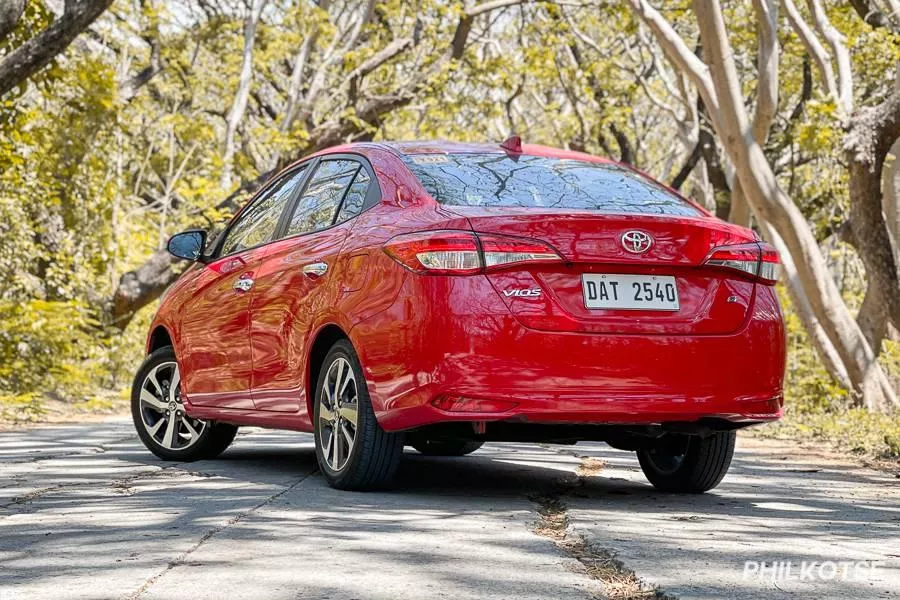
(162, 411)
(338, 414)
(666, 464)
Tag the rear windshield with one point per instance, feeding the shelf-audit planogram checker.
(540, 182)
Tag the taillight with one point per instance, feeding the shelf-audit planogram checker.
(758, 260)
(436, 252)
(502, 250)
(451, 252)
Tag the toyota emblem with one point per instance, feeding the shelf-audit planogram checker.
(636, 242)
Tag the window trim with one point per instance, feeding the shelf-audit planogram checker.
(373, 195)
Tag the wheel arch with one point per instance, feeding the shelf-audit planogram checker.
(159, 337)
(324, 339)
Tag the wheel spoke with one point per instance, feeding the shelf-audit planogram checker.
(193, 432)
(156, 427)
(347, 436)
(152, 379)
(173, 385)
(155, 403)
(169, 437)
(347, 380)
(336, 442)
(338, 379)
(349, 412)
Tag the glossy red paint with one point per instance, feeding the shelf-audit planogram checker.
(436, 347)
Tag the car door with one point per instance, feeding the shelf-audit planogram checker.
(215, 355)
(299, 278)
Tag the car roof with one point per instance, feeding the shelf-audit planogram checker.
(449, 147)
(406, 148)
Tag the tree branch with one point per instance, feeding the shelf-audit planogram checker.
(814, 47)
(836, 40)
(36, 53)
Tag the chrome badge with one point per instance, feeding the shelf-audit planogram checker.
(636, 242)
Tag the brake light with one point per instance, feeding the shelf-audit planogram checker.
(502, 250)
(758, 260)
(450, 252)
(436, 252)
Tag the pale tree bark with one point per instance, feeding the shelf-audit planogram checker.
(814, 47)
(823, 346)
(766, 95)
(242, 95)
(835, 40)
(718, 84)
(36, 53)
(764, 115)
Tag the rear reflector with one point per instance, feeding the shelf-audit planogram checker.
(470, 405)
(451, 252)
(758, 260)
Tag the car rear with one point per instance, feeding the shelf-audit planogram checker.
(577, 292)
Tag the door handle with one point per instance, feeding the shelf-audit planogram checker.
(315, 270)
(243, 284)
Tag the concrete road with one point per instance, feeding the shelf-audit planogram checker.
(86, 512)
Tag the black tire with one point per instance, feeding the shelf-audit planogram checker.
(213, 438)
(375, 454)
(696, 467)
(446, 447)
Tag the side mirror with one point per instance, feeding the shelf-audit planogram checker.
(187, 244)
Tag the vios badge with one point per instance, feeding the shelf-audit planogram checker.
(523, 293)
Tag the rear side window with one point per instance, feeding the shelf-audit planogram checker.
(317, 207)
(355, 198)
(541, 182)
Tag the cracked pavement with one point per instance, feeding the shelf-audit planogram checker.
(87, 512)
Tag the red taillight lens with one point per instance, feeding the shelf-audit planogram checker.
(436, 252)
(464, 253)
(768, 264)
(758, 260)
(502, 250)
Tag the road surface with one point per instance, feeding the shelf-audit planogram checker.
(86, 512)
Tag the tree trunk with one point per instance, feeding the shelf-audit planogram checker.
(872, 133)
(891, 202)
(771, 204)
(242, 95)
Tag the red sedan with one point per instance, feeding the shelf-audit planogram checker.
(440, 295)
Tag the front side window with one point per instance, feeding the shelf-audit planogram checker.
(258, 223)
(317, 207)
(541, 182)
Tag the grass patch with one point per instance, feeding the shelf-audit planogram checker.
(868, 435)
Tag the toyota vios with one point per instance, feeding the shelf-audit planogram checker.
(440, 295)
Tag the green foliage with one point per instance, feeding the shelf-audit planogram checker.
(44, 346)
(816, 407)
(92, 182)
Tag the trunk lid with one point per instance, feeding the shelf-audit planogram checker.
(710, 300)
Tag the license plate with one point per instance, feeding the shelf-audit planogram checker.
(630, 292)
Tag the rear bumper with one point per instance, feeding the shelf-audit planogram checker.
(449, 341)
